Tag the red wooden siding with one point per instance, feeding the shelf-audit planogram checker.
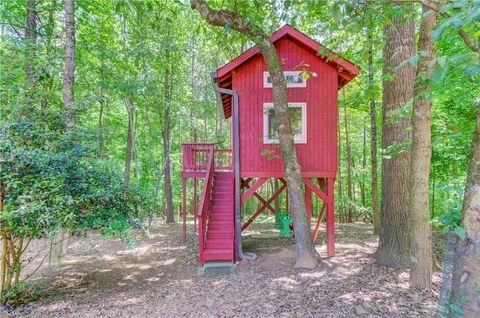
(318, 157)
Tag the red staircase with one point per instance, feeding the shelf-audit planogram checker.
(216, 210)
(219, 242)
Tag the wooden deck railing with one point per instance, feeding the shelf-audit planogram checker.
(205, 203)
(196, 155)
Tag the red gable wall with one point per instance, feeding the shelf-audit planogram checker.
(318, 157)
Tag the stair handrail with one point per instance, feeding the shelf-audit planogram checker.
(205, 201)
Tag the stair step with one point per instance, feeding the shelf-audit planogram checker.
(219, 234)
(218, 254)
(221, 211)
(223, 183)
(214, 226)
(220, 217)
(216, 202)
(219, 244)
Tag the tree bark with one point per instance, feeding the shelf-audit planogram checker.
(306, 256)
(166, 146)
(128, 152)
(341, 209)
(373, 138)
(100, 127)
(394, 243)
(31, 37)
(69, 69)
(466, 270)
(364, 166)
(421, 239)
(349, 164)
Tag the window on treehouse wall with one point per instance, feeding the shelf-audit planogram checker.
(297, 113)
(294, 79)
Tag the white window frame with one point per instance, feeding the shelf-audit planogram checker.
(266, 75)
(298, 139)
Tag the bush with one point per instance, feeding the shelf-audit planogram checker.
(49, 181)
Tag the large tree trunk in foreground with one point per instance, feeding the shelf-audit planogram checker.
(166, 146)
(305, 251)
(394, 243)
(69, 70)
(421, 239)
(466, 271)
(373, 138)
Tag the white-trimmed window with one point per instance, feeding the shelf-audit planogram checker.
(298, 119)
(294, 79)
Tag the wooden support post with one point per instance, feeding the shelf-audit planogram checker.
(269, 201)
(184, 209)
(308, 201)
(286, 201)
(245, 184)
(316, 189)
(257, 185)
(330, 218)
(321, 216)
(195, 205)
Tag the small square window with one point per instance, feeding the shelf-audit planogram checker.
(293, 78)
(298, 120)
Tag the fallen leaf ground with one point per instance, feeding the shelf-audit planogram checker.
(158, 278)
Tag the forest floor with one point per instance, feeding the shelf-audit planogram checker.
(157, 277)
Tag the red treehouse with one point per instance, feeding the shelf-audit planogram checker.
(230, 176)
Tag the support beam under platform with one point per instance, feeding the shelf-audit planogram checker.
(264, 206)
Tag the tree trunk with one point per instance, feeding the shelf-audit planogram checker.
(349, 163)
(394, 243)
(100, 127)
(421, 239)
(48, 81)
(339, 177)
(31, 37)
(373, 136)
(69, 70)
(466, 271)
(306, 256)
(166, 146)
(128, 152)
(68, 95)
(364, 166)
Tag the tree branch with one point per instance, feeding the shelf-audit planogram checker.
(435, 6)
(224, 17)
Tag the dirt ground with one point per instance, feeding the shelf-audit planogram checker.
(157, 277)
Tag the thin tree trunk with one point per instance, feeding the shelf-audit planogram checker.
(306, 256)
(31, 37)
(68, 93)
(100, 128)
(373, 137)
(364, 166)
(394, 243)
(48, 80)
(69, 70)
(349, 163)
(421, 240)
(166, 145)
(340, 181)
(128, 152)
